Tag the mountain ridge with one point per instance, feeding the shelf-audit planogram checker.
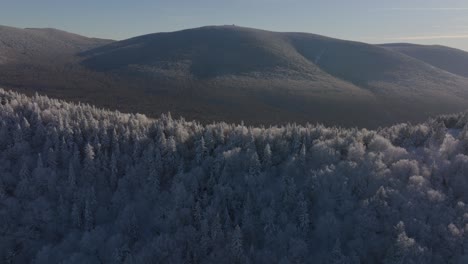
(446, 58)
(233, 73)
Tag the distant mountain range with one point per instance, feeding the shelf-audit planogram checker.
(233, 73)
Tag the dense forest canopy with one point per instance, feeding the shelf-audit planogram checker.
(80, 184)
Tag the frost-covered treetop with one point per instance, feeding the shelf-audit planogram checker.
(80, 184)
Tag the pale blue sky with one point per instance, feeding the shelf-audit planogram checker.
(375, 21)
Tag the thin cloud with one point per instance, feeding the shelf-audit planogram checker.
(425, 8)
(459, 36)
(426, 37)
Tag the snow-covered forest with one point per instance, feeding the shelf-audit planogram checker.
(84, 185)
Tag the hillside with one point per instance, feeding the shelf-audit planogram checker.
(317, 69)
(234, 74)
(44, 60)
(449, 59)
(34, 45)
(83, 185)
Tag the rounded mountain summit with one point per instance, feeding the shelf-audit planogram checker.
(231, 73)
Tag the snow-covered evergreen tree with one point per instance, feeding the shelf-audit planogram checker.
(84, 185)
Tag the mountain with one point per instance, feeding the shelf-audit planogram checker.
(34, 44)
(230, 73)
(44, 60)
(449, 59)
(332, 73)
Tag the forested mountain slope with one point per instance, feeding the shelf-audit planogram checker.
(311, 77)
(41, 45)
(234, 74)
(449, 59)
(83, 185)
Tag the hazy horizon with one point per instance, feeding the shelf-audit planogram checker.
(419, 22)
